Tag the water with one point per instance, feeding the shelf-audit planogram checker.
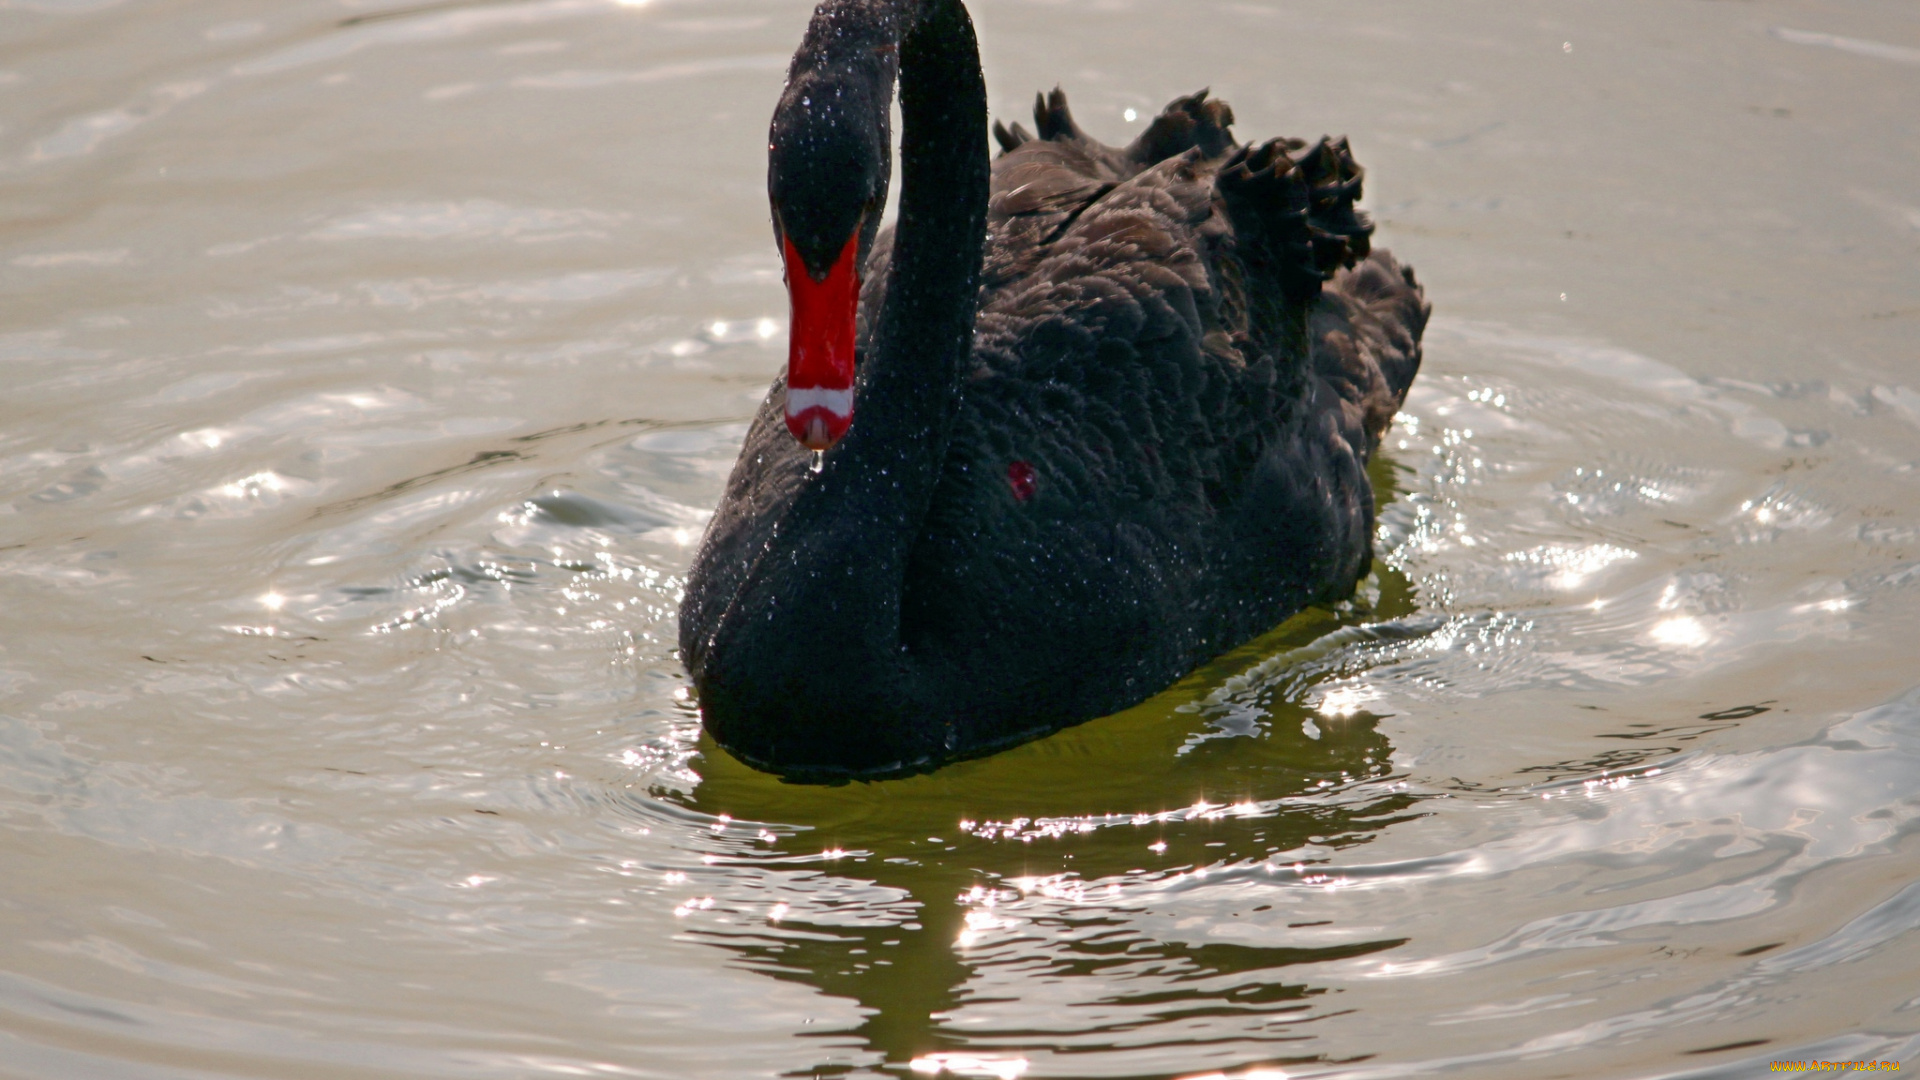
(369, 371)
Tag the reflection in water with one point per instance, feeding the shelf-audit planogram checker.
(973, 913)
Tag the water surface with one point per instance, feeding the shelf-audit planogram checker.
(369, 371)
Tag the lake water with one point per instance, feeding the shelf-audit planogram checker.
(367, 372)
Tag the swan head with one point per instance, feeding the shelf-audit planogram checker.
(828, 162)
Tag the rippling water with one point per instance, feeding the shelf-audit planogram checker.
(369, 371)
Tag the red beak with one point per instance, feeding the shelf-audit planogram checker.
(820, 346)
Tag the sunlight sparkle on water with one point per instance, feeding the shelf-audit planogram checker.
(1682, 630)
(1346, 700)
(265, 482)
(1568, 566)
(978, 924)
(969, 1065)
(689, 906)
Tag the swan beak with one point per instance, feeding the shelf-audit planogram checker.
(820, 346)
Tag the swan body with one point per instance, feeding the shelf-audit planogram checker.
(1114, 410)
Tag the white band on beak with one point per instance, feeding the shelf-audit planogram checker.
(837, 402)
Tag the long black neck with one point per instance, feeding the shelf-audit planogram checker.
(808, 660)
(909, 388)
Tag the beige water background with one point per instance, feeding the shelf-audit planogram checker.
(366, 371)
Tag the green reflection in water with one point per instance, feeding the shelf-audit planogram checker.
(1064, 809)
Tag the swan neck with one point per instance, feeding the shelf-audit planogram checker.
(943, 187)
(908, 390)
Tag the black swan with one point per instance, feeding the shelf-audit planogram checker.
(1110, 421)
